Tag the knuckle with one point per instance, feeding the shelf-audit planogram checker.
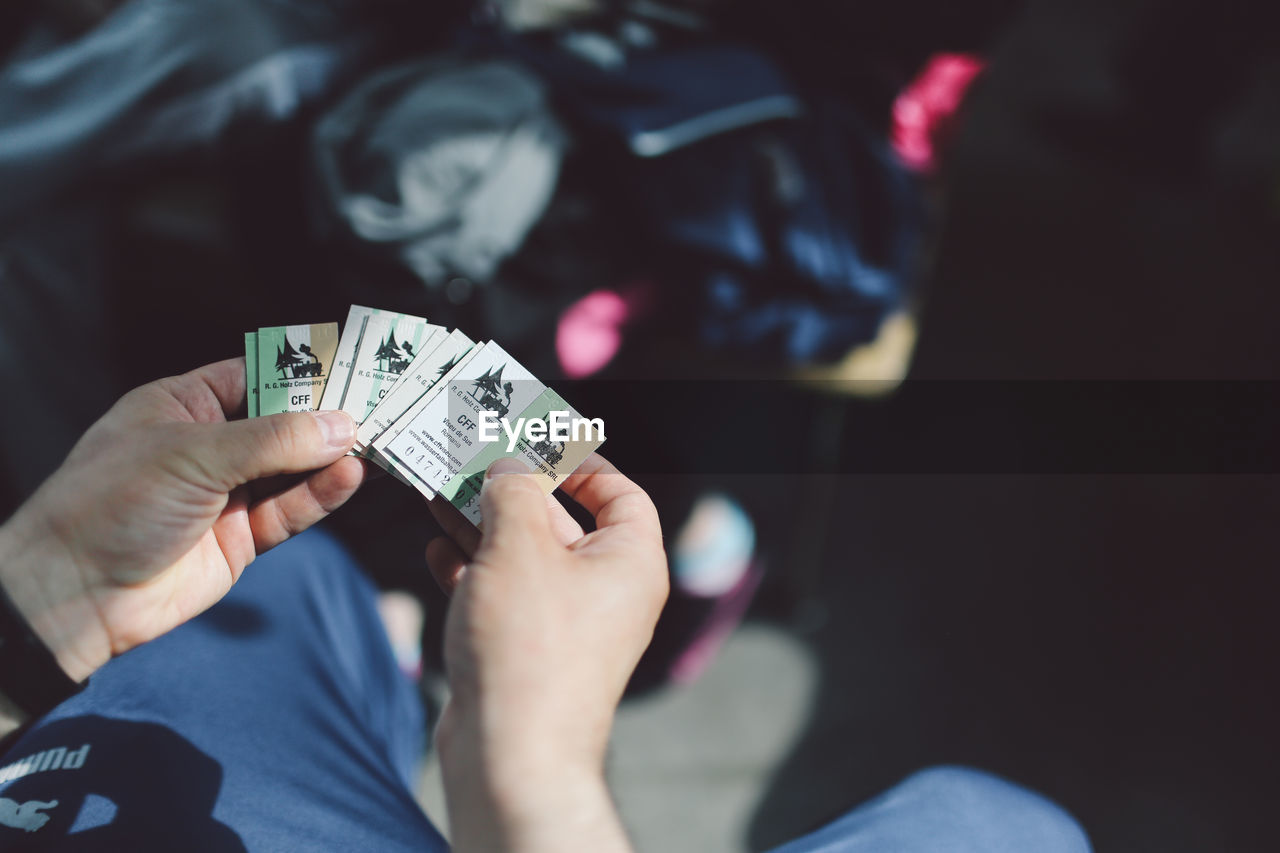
(281, 439)
(171, 386)
(180, 451)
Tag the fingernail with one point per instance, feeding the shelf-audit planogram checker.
(337, 428)
(507, 465)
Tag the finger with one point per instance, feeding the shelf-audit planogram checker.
(612, 498)
(212, 392)
(223, 456)
(287, 514)
(513, 510)
(226, 379)
(446, 562)
(566, 530)
(454, 524)
(467, 536)
(266, 487)
(234, 533)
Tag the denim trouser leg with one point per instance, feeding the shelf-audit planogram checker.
(950, 810)
(276, 721)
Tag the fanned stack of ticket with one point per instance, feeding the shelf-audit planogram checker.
(434, 408)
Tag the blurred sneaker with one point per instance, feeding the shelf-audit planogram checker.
(714, 577)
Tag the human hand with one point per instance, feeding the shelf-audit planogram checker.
(544, 630)
(160, 506)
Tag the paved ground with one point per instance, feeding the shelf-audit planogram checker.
(690, 766)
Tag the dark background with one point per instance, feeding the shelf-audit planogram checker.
(1102, 633)
(1106, 638)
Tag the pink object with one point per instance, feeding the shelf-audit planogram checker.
(590, 331)
(924, 115)
(721, 623)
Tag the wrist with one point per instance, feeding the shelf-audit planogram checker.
(523, 794)
(514, 750)
(46, 587)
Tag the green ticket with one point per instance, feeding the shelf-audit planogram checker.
(444, 435)
(377, 450)
(389, 344)
(551, 457)
(432, 407)
(251, 372)
(335, 390)
(432, 364)
(293, 365)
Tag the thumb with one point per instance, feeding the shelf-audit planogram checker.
(237, 452)
(513, 509)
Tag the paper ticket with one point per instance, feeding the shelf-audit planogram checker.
(343, 359)
(293, 365)
(251, 372)
(431, 365)
(431, 406)
(444, 436)
(411, 393)
(377, 450)
(549, 436)
(387, 347)
(335, 391)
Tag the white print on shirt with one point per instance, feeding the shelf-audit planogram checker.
(51, 759)
(25, 816)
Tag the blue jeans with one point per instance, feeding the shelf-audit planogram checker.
(949, 810)
(278, 721)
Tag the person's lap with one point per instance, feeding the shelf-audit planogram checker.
(279, 721)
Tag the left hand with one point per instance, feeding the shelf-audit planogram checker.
(159, 508)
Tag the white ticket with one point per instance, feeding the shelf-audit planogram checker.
(550, 457)
(434, 361)
(445, 434)
(389, 344)
(377, 449)
(336, 387)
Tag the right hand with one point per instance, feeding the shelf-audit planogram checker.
(545, 628)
